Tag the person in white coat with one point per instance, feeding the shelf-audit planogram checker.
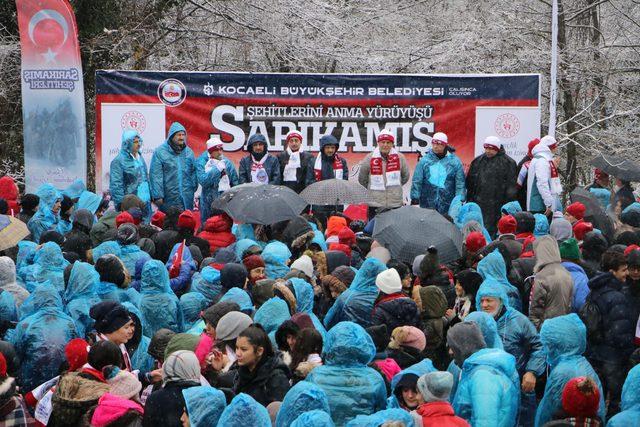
(543, 182)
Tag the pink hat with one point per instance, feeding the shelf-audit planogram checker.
(408, 336)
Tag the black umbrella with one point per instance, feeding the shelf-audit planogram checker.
(260, 204)
(593, 211)
(333, 192)
(625, 169)
(408, 231)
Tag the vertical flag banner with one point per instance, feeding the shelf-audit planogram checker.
(52, 94)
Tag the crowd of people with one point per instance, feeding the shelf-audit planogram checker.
(116, 313)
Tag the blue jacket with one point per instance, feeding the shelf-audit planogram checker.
(418, 369)
(156, 292)
(437, 181)
(204, 405)
(304, 302)
(180, 283)
(130, 254)
(356, 303)
(240, 297)
(207, 283)
(630, 402)
(48, 266)
(41, 337)
(518, 335)
(244, 411)
(127, 174)
(210, 182)
(564, 339)
(44, 219)
(24, 259)
(580, 285)
(192, 304)
(313, 418)
(275, 256)
(271, 164)
(173, 175)
(318, 238)
(382, 417)
(302, 397)
(243, 231)
(79, 296)
(352, 387)
(488, 393)
(493, 267)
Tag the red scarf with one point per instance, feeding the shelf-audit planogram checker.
(317, 168)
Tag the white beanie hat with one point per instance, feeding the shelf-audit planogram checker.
(389, 281)
(386, 135)
(492, 141)
(440, 138)
(435, 386)
(214, 142)
(304, 264)
(549, 141)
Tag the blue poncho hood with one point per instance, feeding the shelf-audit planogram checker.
(275, 256)
(242, 245)
(381, 417)
(155, 279)
(365, 279)
(240, 297)
(302, 397)
(207, 283)
(244, 411)
(127, 140)
(82, 282)
(272, 314)
(347, 344)
(563, 336)
(542, 225)
(488, 326)
(511, 208)
(204, 405)
(89, 201)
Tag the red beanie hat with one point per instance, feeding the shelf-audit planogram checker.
(340, 247)
(76, 352)
(630, 249)
(253, 261)
(346, 236)
(581, 228)
(158, 219)
(187, 220)
(507, 225)
(530, 146)
(576, 210)
(475, 241)
(124, 218)
(581, 397)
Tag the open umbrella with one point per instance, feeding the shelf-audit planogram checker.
(593, 211)
(12, 230)
(333, 192)
(408, 231)
(260, 204)
(625, 169)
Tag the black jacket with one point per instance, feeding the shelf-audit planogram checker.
(631, 289)
(402, 311)
(522, 191)
(405, 356)
(441, 280)
(269, 382)
(164, 407)
(304, 174)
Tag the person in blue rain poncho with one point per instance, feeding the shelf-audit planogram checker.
(630, 402)
(356, 303)
(542, 225)
(75, 190)
(207, 283)
(113, 284)
(128, 172)
(318, 238)
(79, 296)
(204, 405)
(48, 214)
(564, 340)
(315, 418)
(472, 212)
(48, 265)
(192, 304)
(66, 212)
(417, 370)
(438, 177)
(172, 176)
(382, 417)
(301, 398)
(511, 208)
(304, 302)
(24, 260)
(493, 267)
(352, 387)
(276, 257)
(271, 315)
(240, 297)
(244, 246)
(180, 283)
(40, 338)
(244, 411)
(89, 201)
(127, 236)
(603, 195)
(108, 247)
(156, 292)
(138, 345)
(216, 174)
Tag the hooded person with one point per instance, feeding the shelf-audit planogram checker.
(9, 193)
(48, 266)
(128, 172)
(66, 210)
(241, 297)
(172, 175)
(542, 225)
(245, 247)
(560, 229)
(580, 400)
(180, 274)
(48, 214)
(436, 411)
(404, 389)
(233, 275)
(304, 302)
(564, 340)
(328, 164)
(104, 229)
(244, 410)
(493, 267)
(138, 345)
(276, 256)
(594, 246)
(392, 307)
(438, 177)
(203, 406)
(351, 386)
(156, 292)
(127, 237)
(488, 392)
(78, 240)
(431, 272)
(271, 315)
(296, 165)
(8, 281)
(570, 254)
(507, 226)
(217, 231)
(630, 403)
(259, 166)
(114, 281)
(433, 309)
(79, 296)
(356, 303)
(192, 304)
(301, 398)
(207, 284)
(543, 181)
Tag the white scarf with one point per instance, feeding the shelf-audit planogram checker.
(259, 174)
(337, 171)
(392, 173)
(292, 165)
(224, 183)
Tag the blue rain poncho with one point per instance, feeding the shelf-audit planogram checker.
(172, 176)
(242, 245)
(380, 418)
(48, 266)
(493, 267)
(130, 255)
(318, 238)
(181, 282)
(128, 174)
(156, 294)
(418, 369)
(24, 260)
(204, 405)
(511, 208)
(79, 296)
(304, 302)
(244, 411)
(140, 359)
(210, 182)
(603, 195)
(275, 256)
(630, 401)
(564, 340)
(63, 226)
(356, 303)
(89, 201)
(109, 247)
(108, 291)
(542, 225)
(75, 189)
(302, 397)
(240, 297)
(192, 304)
(315, 418)
(44, 219)
(271, 315)
(243, 231)
(207, 283)
(471, 212)
(436, 181)
(40, 338)
(352, 387)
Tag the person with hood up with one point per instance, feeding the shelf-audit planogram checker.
(328, 164)
(156, 292)
(552, 293)
(272, 314)
(491, 181)
(301, 398)
(79, 295)
(245, 411)
(9, 192)
(560, 228)
(434, 309)
(217, 231)
(487, 393)
(48, 266)
(66, 210)
(435, 409)
(180, 270)
(404, 389)
(630, 403)
(542, 225)
(128, 172)
(207, 284)
(8, 282)
(259, 166)
(392, 307)
(543, 182)
(203, 406)
(28, 207)
(172, 175)
(276, 256)
(564, 340)
(351, 386)
(296, 165)
(438, 177)
(138, 348)
(356, 303)
(493, 267)
(241, 297)
(114, 281)
(78, 240)
(48, 214)
(570, 254)
(192, 304)
(431, 272)
(127, 237)
(304, 302)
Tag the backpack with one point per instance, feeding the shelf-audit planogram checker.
(592, 319)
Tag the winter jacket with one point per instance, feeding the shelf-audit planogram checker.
(173, 175)
(210, 181)
(269, 382)
(304, 174)
(405, 356)
(105, 229)
(9, 192)
(8, 281)
(245, 411)
(180, 283)
(74, 397)
(302, 397)
(564, 340)
(552, 293)
(580, 285)
(631, 289)
(434, 307)
(436, 181)
(44, 219)
(112, 408)
(541, 193)
(419, 369)
(395, 310)
(618, 323)
(207, 283)
(513, 246)
(356, 303)
(390, 197)
(493, 267)
(630, 402)
(156, 292)
(491, 182)
(217, 231)
(165, 406)
(127, 174)
(304, 302)
(351, 387)
(271, 166)
(79, 296)
(440, 414)
(275, 256)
